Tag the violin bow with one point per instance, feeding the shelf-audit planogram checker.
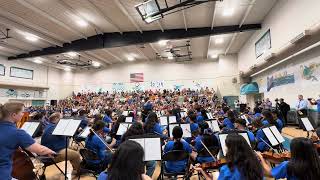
(207, 149)
(274, 150)
(102, 140)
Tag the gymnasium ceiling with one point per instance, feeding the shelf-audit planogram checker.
(55, 22)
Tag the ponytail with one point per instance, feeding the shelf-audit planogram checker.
(177, 145)
(177, 135)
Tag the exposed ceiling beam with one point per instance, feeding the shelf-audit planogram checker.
(23, 21)
(125, 12)
(6, 53)
(79, 15)
(106, 18)
(241, 23)
(212, 25)
(103, 59)
(142, 53)
(12, 47)
(109, 40)
(160, 26)
(48, 16)
(184, 20)
(113, 55)
(154, 49)
(13, 25)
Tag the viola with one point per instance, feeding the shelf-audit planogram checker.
(276, 157)
(22, 167)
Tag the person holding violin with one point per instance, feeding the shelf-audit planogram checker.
(58, 144)
(177, 144)
(12, 138)
(242, 162)
(229, 120)
(304, 163)
(241, 124)
(93, 142)
(278, 122)
(153, 126)
(127, 163)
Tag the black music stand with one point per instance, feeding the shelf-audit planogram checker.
(67, 128)
(31, 127)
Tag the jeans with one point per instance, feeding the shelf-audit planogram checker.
(150, 166)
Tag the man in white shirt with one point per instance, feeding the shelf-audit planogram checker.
(302, 109)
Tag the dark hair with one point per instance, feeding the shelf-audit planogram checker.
(120, 119)
(241, 156)
(135, 129)
(38, 117)
(82, 112)
(108, 112)
(304, 162)
(231, 116)
(204, 113)
(127, 162)
(193, 117)
(268, 116)
(152, 120)
(203, 125)
(97, 126)
(177, 135)
(241, 122)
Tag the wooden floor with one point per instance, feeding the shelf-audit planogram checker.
(52, 173)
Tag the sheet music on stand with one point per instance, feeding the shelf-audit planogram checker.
(85, 132)
(277, 134)
(273, 135)
(185, 128)
(66, 127)
(172, 119)
(125, 113)
(30, 127)
(183, 114)
(123, 127)
(223, 137)
(209, 114)
(307, 124)
(163, 120)
(213, 125)
(151, 147)
(129, 119)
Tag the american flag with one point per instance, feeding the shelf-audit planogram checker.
(136, 77)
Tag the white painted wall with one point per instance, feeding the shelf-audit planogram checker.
(286, 20)
(207, 73)
(58, 81)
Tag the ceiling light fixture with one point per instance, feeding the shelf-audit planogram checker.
(72, 54)
(37, 60)
(228, 12)
(96, 64)
(32, 38)
(163, 42)
(82, 23)
(219, 40)
(67, 69)
(170, 57)
(214, 56)
(130, 58)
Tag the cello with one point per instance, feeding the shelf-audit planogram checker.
(22, 167)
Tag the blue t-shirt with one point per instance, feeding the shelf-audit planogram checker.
(265, 122)
(95, 144)
(228, 124)
(200, 119)
(226, 173)
(261, 146)
(198, 146)
(10, 139)
(194, 127)
(56, 143)
(107, 119)
(280, 171)
(176, 166)
(251, 136)
(279, 125)
(84, 122)
(103, 176)
(318, 105)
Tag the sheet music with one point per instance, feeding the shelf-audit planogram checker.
(172, 119)
(171, 126)
(66, 127)
(209, 115)
(270, 136)
(61, 126)
(307, 124)
(129, 119)
(85, 132)
(186, 130)
(140, 141)
(152, 149)
(30, 127)
(139, 113)
(215, 126)
(164, 120)
(123, 127)
(277, 134)
(245, 135)
(223, 138)
(183, 114)
(125, 113)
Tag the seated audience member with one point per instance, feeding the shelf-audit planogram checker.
(58, 144)
(127, 163)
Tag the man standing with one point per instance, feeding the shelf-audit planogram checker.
(284, 109)
(302, 109)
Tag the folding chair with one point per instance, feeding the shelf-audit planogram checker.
(87, 167)
(175, 155)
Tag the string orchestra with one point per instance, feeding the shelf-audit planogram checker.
(198, 134)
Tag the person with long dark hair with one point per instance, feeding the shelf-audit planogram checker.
(278, 122)
(242, 162)
(228, 122)
(304, 163)
(267, 118)
(127, 163)
(177, 144)
(153, 126)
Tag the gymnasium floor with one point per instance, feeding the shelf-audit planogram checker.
(52, 172)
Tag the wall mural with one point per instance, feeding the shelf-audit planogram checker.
(157, 84)
(23, 94)
(310, 72)
(279, 79)
(118, 87)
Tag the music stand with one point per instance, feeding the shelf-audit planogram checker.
(213, 125)
(123, 127)
(164, 120)
(67, 128)
(185, 128)
(151, 145)
(129, 119)
(273, 135)
(209, 114)
(31, 127)
(223, 137)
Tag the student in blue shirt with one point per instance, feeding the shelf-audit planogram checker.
(12, 138)
(58, 144)
(267, 118)
(107, 117)
(278, 122)
(304, 163)
(194, 127)
(242, 162)
(94, 143)
(261, 138)
(84, 120)
(206, 137)
(153, 125)
(240, 124)
(127, 163)
(228, 122)
(177, 144)
(202, 116)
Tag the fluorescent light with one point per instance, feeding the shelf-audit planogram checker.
(37, 60)
(219, 40)
(32, 38)
(67, 69)
(170, 57)
(130, 58)
(82, 23)
(214, 56)
(163, 42)
(95, 64)
(228, 12)
(72, 54)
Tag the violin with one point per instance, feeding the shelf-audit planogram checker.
(213, 165)
(22, 167)
(276, 157)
